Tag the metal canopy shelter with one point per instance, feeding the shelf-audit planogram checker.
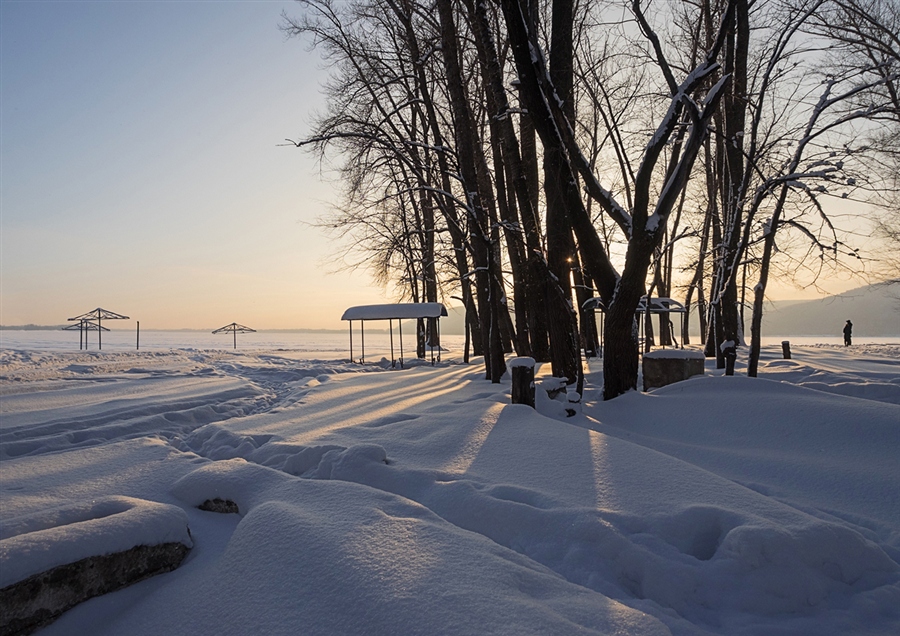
(659, 305)
(83, 326)
(392, 312)
(95, 317)
(235, 329)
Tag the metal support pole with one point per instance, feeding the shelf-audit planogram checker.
(234, 333)
(602, 324)
(99, 333)
(401, 343)
(138, 344)
(362, 329)
(391, 329)
(351, 341)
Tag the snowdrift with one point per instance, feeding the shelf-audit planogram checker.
(421, 501)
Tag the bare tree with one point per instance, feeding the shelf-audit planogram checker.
(684, 126)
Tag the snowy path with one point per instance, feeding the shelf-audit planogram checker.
(421, 501)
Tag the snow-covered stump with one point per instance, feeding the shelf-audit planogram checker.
(522, 370)
(668, 366)
(58, 558)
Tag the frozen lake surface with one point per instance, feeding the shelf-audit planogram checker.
(377, 341)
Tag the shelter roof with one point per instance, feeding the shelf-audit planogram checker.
(100, 314)
(658, 305)
(87, 325)
(395, 310)
(235, 327)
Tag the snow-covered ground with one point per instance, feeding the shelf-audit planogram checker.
(420, 501)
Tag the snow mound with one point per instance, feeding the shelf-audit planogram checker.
(348, 459)
(361, 561)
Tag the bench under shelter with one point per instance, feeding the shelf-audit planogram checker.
(392, 312)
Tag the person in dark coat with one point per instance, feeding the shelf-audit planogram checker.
(848, 333)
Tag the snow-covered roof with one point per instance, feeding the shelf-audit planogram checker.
(684, 354)
(395, 310)
(658, 305)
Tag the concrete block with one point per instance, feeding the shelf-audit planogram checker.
(667, 366)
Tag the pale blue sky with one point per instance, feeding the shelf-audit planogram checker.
(141, 170)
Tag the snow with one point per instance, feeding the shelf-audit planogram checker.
(672, 354)
(523, 361)
(375, 501)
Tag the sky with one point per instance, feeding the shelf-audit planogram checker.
(141, 168)
(142, 171)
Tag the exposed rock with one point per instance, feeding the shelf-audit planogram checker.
(42, 598)
(225, 506)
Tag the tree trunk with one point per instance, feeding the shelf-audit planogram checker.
(479, 231)
(759, 292)
(446, 206)
(734, 117)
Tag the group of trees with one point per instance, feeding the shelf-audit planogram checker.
(525, 156)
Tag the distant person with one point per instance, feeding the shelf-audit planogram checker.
(848, 333)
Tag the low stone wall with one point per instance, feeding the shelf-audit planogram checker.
(667, 366)
(54, 558)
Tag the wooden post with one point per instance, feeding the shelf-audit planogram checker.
(522, 381)
(234, 333)
(138, 347)
(786, 349)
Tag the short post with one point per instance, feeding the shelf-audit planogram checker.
(138, 343)
(400, 327)
(786, 349)
(522, 380)
(729, 350)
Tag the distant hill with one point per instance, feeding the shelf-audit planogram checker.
(874, 311)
